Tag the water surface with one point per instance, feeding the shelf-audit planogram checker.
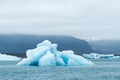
(104, 69)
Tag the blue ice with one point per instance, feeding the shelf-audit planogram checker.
(46, 54)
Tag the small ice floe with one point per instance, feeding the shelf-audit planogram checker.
(4, 57)
(91, 56)
(98, 56)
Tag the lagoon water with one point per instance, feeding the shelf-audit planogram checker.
(104, 69)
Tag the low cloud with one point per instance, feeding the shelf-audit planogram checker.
(79, 18)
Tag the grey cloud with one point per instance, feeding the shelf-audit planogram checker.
(79, 18)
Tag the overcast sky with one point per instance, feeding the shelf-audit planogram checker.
(86, 19)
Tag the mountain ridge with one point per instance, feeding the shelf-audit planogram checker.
(106, 46)
(18, 44)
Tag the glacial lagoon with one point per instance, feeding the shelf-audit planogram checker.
(104, 69)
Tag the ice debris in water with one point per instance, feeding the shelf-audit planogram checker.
(4, 57)
(47, 54)
(98, 56)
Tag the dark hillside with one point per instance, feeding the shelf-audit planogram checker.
(106, 46)
(18, 44)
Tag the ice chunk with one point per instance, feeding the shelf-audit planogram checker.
(116, 57)
(71, 59)
(98, 56)
(106, 55)
(4, 57)
(91, 56)
(47, 54)
(47, 59)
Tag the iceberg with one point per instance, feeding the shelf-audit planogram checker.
(91, 56)
(46, 54)
(116, 57)
(4, 57)
(98, 56)
(106, 55)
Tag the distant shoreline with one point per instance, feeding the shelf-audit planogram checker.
(23, 55)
